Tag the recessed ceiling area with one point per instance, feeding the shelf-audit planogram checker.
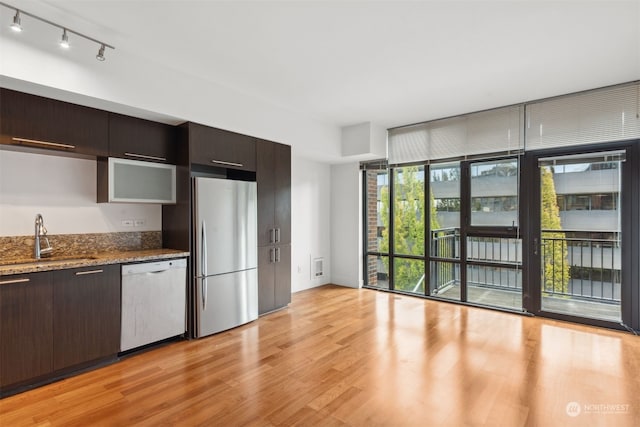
(387, 62)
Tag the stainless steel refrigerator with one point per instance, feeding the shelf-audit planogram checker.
(225, 255)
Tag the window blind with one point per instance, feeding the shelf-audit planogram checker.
(492, 131)
(408, 144)
(604, 115)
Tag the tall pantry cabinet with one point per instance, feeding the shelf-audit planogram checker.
(273, 175)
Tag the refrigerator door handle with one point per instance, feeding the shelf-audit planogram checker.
(204, 293)
(203, 264)
(203, 250)
(272, 235)
(271, 255)
(277, 254)
(277, 235)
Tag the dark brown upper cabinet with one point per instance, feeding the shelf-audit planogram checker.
(273, 176)
(37, 122)
(139, 139)
(221, 148)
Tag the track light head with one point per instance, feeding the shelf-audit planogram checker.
(100, 55)
(16, 26)
(64, 41)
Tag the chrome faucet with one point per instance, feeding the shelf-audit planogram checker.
(41, 232)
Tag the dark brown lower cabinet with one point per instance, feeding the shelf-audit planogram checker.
(26, 327)
(283, 275)
(86, 315)
(274, 277)
(266, 280)
(55, 322)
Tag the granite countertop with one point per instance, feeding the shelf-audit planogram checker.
(21, 266)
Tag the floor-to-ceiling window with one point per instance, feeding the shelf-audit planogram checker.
(376, 219)
(526, 208)
(444, 230)
(492, 234)
(408, 212)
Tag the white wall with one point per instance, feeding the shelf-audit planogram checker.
(346, 234)
(126, 80)
(63, 190)
(310, 221)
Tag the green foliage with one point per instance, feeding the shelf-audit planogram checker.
(409, 230)
(556, 267)
(384, 242)
(408, 212)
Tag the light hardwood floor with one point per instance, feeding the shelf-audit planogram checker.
(340, 356)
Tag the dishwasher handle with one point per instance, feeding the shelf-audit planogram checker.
(158, 271)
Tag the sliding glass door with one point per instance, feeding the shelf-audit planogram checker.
(578, 233)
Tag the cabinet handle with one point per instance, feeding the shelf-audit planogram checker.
(277, 254)
(277, 235)
(82, 273)
(271, 256)
(222, 162)
(144, 156)
(8, 282)
(48, 144)
(272, 235)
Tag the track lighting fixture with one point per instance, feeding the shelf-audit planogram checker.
(100, 55)
(16, 22)
(64, 41)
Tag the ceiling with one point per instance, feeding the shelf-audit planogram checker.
(387, 62)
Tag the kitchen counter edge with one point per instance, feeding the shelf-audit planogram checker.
(90, 260)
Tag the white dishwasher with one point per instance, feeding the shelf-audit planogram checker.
(153, 302)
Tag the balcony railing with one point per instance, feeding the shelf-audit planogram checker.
(581, 267)
(575, 264)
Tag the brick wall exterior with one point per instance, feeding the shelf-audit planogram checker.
(372, 226)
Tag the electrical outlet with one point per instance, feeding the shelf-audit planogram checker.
(139, 222)
(127, 222)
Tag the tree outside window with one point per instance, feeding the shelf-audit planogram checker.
(554, 249)
(409, 226)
